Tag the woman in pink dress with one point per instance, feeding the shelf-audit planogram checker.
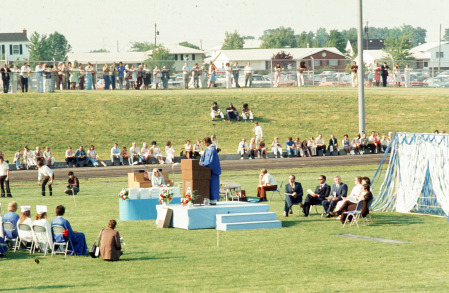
(377, 69)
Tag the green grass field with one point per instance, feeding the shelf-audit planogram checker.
(102, 118)
(303, 256)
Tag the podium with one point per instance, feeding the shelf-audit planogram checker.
(197, 178)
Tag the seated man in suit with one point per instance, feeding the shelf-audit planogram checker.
(321, 192)
(293, 195)
(339, 192)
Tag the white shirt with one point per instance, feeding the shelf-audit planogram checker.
(242, 145)
(92, 154)
(4, 169)
(258, 131)
(39, 70)
(169, 150)
(248, 69)
(319, 140)
(134, 151)
(371, 138)
(267, 178)
(44, 171)
(24, 71)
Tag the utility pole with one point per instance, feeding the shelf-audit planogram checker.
(361, 89)
(155, 34)
(367, 36)
(439, 50)
(201, 44)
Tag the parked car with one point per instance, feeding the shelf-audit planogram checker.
(413, 81)
(437, 82)
(329, 81)
(257, 81)
(288, 80)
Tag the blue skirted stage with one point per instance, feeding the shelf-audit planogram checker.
(205, 217)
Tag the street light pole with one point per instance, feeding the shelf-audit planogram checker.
(361, 89)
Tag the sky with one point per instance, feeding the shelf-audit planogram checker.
(96, 24)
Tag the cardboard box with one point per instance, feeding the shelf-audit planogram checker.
(164, 218)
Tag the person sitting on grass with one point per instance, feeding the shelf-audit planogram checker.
(134, 152)
(297, 142)
(49, 159)
(155, 151)
(293, 195)
(73, 184)
(110, 247)
(77, 241)
(247, 113)
(243, 148)
(333, 144)
(215, 112)
(232, 113)
(188, 149)
(312, 146)
(291, 147)
(372, 142)
(276, 148)
(357, 144)
(115, 154)
(157, 179)
(305, 149)
(262, 149)
(145, 153)
(125, 155)
(266, 183)
(45, 175)
(252, 149)
(364, 143)
(383, 143)
(17, 158)
(92, 156)
(70, 156)
(80, 156)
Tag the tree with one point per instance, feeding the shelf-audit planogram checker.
(38, 47)
(58, 46)
(285, 60)
(446, 35)
(233, 41)
(161, 57)
(278, 38)
(335, 39)
(417, 35)
(249, 38)
(141, 46)
(304, 40)
(189, 45)
(398, 48)
(99, 51)
(321, 37)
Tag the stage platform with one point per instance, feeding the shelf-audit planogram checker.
(205, 217)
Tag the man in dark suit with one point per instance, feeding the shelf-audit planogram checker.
(385, 68)
(339, 191)
(293, 195)
(321, 192)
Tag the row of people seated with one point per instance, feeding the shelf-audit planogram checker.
(42, 240)
(332, 199)
(298, 148)
(231, 113)
(26, 159)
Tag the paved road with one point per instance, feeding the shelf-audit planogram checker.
(226, 165)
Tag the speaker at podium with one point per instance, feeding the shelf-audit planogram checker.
(196, 177)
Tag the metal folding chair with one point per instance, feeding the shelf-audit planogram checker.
(59, 231)
(368, 217)
(8, 226)
(278, 191)
(25, 228)
(355, 214)
(41, 231)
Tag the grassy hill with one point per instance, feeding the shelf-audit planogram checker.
(102, 118)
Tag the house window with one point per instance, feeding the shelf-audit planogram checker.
(176, 57)
(317, 62)
(333, 62)
(439, 54)
(426, 64)
(193, 57)
(16, 49)
(182, 56)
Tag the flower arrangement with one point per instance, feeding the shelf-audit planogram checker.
(165, 196)
(189, 197)
(124, 194)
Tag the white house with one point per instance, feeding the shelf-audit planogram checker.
(182, 54)
(430, 54)
(100, 59)
(13, 46)
(261, 59)
(371, 56)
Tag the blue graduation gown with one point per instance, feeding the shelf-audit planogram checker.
(210, 159)
(78, 240)
(12, 218)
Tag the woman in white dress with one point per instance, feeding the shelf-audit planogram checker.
(41, 220)
(203, 77)
(169, 153)
(407, 71)
(157, 76)
(397, 75)
(133, 77)
(228, 71)
(25, 219)
(277, 75)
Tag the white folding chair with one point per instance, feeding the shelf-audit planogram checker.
(8, 226)
(59, 231)
(25, 242)
(278, 191)
(355, 214)
(41, 234)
